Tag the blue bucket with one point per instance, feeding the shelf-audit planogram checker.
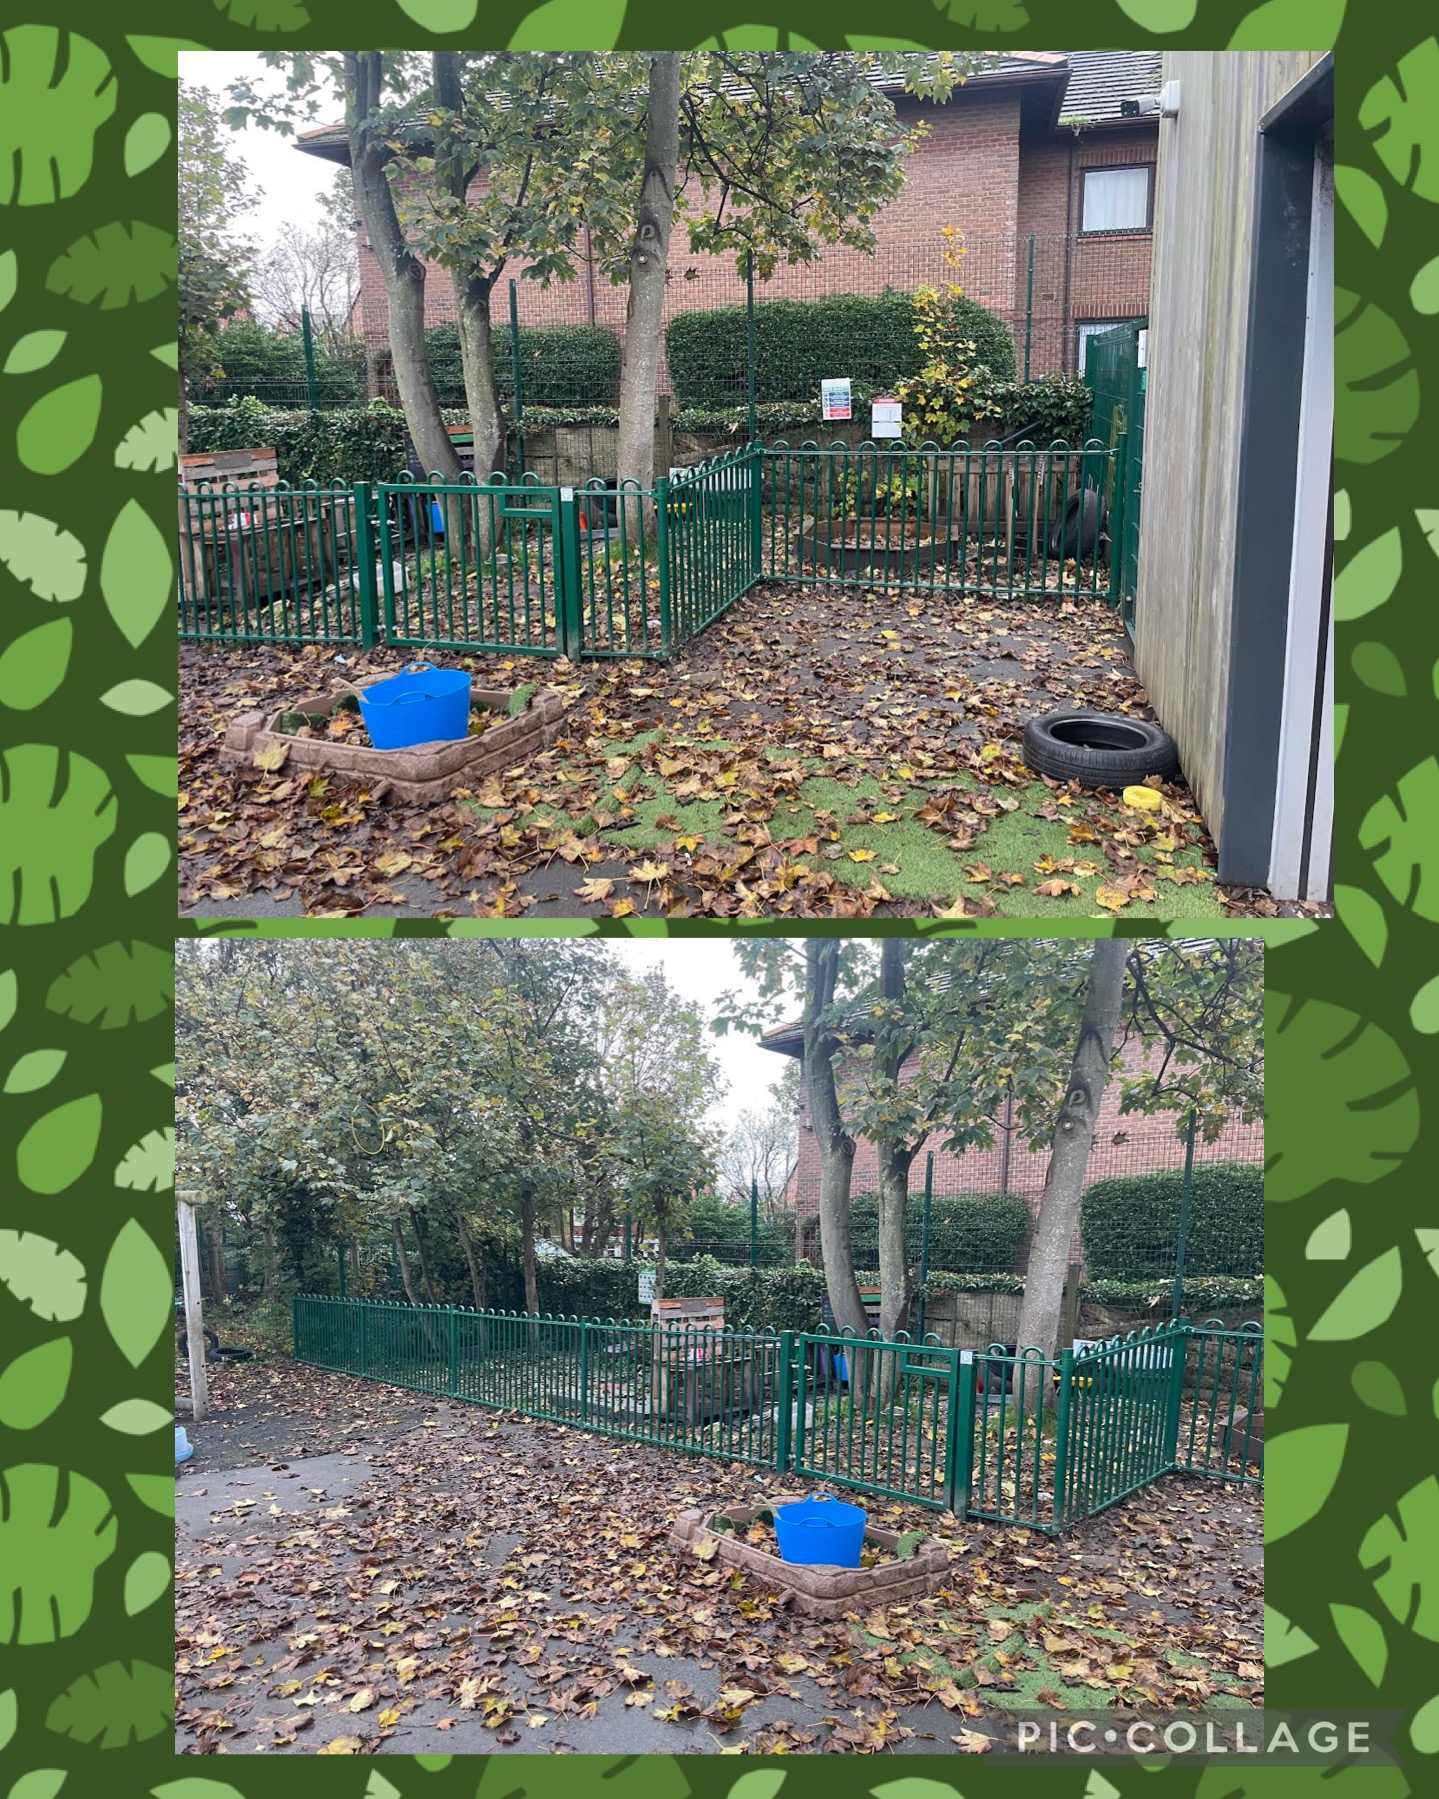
(184, 1448)
(820, 1529)
(419, 705)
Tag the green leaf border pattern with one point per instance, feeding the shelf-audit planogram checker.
(81, 1005)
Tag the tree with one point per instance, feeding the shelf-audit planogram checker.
(213, 194)
(761, 1150)
(315, 271)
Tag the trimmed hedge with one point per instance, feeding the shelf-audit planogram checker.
(348, 443)
(800, 342)
(255, 360)
(974, 1232)
(1130, 1225)
(563, 365)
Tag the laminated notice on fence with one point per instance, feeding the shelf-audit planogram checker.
(834, 398)
(886, 419)
(647, 1286)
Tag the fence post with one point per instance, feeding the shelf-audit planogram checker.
(1120, 465)
(364, 560)
(364, 1341)
(584, 1373)
(308, 342)
(753, 1221)
(1029, 307)
(450, 1322)
(1061, 1434)
(960, 1446)
(568, 611)
(519, 383)
(784, 1447)
(295, 1324)
(662, 558)
(756, 515)
(1186, 1194)
(924, 1235)
(1179, 1343)
(749, 337)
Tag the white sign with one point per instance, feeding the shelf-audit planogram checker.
(647, 1286)
(834, 398)
(886, 419)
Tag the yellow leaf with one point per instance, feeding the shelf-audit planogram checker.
(341, 1746)
(1111, 898)
(621, 908)
(363, 1700)
(707, 1549)
(650, 871)
(861, 855)
(272, 757)
(389, 1717)
(595, 889)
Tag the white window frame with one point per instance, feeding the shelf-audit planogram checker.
(1145, 225)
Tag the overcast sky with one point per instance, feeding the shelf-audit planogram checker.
(700, 971)
(289, 184)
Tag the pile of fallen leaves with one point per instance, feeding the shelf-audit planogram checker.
(518, 1575)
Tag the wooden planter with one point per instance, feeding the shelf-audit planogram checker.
(851, 546)
(420, 775)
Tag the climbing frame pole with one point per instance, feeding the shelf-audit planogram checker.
(190, 1284)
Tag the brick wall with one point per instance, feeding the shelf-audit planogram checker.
(1124, 1144)
(973, 170)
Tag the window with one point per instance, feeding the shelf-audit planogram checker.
(1091, 328)
(1115, 199)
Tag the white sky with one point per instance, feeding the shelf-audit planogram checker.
(289, 184)
(700, 970)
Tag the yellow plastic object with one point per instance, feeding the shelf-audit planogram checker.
(1144, 798)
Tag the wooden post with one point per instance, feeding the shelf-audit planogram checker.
(194, 1323)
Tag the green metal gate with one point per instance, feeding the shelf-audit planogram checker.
(1114, 371)
(877, 1415)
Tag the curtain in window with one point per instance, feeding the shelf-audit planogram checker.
(1115, 199)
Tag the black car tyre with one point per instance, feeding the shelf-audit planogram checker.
(1098, 749)
(1077, 530)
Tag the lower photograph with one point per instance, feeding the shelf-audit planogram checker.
(836, 1344)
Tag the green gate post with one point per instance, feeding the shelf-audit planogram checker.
(363, 500)
(1061, 1438)
(662, 559)
(364, 1341)
(568, 608)
(801, 1399)
(1179, 1343)
(924, 1235)
(519, 385)
(450, 1322)
(756, 520)
(1186, 1195)
(309, 346)
(783, 1448)
(749, 337)
(753, 1222)
(295, 1324)
(960, 1447)
(340, 1263)
(584, 1373)
(1029, 307)
(1120, 466)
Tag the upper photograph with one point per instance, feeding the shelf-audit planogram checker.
(739, 484)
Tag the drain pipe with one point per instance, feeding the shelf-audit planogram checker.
(1069, 252)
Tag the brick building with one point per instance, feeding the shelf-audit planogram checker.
(1124, 1144)
(1045, 163)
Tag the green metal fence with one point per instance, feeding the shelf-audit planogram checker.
(1114, 371)
(995, 1435)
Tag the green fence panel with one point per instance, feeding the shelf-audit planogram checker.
(275, 564)
(877, 1415)
(1221, 1403)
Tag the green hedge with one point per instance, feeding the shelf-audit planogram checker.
(1130, 1225)
(974, 1232)
(564, 365)
(267, 364)
(349, 443)
(800, 342)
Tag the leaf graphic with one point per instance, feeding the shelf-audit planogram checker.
(145, 861)
(8, 1711)
(441, 16)
(136, 698)
(35, 664)
(60, 426)
(34, 1384)
(35, 1070)
(1396, 830)
(55, 1531)
(1364, 920)
(147, 1577)
(36, 350)
(42, 1275)
(1424, 288)
(1363, 199)
(116, 1706)
(56, 809)
(161, 54)
(1369, 577)
(60, 1146)
(1379, 669)
(195, 1787)
(1283, 1641)
(1160, 16)
(136, 1417)
(116, 985)
(56, 91)
(9, 996)
(1401, 1549)
(1424, 1727)
(136, 572)
(154, 1490)
(1356, 1091)
(574, 22)
(149, 1165)
(48, 560)
(1377, 1386)
(161, 774)
(9, 277)
(136, 1293)
(1364, 1303)
(39, 1783)
(1424, 1008)
(628, 1777)
(151, 444)
(1363, 1637)
(1377, 389)
(1272, 26)
(1301, 1467)
(1282, 1338)
(118, 265)
(1401, 120)
(1329, 1241)
(146, 141)
(265, 15)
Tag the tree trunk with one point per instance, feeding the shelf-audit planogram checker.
(527, 1249)
(215, 1244)
(1039, 1312)
(894, 1160)
(836, 1146)
(467, 1245)
(403, 272)
(184, 413)
(649, 259)
(662, 1236)
(427, 1281)
(402, 1256)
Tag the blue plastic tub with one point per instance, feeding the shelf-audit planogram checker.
(820, 1529)
(419, 705)
(184, 1448)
